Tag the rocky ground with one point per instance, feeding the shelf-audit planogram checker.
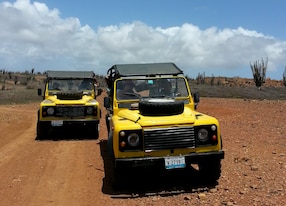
(75, 171)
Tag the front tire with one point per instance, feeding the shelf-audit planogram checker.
(42, 131)
(93, 131)
(210, 170)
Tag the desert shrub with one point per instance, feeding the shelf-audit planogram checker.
(32, 85)
(212, 80)
(201, 78)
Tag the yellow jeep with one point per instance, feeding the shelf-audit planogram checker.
(69, 100)
(152, 121)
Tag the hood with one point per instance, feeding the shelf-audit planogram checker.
(187, 117)
(83, 100)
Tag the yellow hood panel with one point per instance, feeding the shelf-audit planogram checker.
(187, 117)
(84, 100)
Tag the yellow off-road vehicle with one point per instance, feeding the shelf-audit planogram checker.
(152, 121)
(69, 100)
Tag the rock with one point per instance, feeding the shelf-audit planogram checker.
(254, 168)
(242, 192)
(213, 190)
(201, 195)
(229, 203)
(253, 186)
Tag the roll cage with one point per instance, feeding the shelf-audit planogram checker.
(143, 70)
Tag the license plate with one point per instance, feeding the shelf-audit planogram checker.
(175, 162)
(57, 123)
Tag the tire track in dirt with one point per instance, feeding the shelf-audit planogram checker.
(74, 172)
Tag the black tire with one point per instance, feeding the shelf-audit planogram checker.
(107, 123)
(91, 131)
(117, 178)
(123, 178)
(110, 145)
(160, 107)
(210, 170)
(42, 131)
(116, 173)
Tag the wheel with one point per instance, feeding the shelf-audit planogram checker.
(93, 131)
(110, 145)
(107, 123)
(210, 170)
(160, 107)
(115, 173)
(42, 131)
(117, 179)
(122, 178)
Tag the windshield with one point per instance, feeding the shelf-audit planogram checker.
(70, 84)
(151, 88)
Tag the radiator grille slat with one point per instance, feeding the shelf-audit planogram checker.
(169, 138)
(74, 111)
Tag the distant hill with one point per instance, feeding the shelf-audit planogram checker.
(22, 88)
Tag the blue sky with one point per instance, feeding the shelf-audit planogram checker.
(218, 37)
(264, 16)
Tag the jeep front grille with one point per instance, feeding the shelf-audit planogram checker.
(70, 111)
(169, 138)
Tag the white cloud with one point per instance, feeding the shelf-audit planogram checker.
(33, 36)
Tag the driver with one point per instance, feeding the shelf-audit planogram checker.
(125, 89)
(56, 86)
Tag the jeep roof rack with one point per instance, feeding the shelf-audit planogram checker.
(143, 69)
(69, 74)
(147, 69)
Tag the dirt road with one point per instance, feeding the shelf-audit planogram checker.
(75, 171)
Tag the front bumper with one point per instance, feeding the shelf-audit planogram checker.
(70, 123)
(191, 158)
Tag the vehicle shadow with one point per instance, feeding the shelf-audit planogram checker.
(57, 134)
(151, 181)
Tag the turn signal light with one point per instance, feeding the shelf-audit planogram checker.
(214, 138)
(122, 144)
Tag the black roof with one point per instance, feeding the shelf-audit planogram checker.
(146, 69)
(70, 74)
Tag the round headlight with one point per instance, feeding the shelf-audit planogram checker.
(133, 139)
(50, 111)
(89, 110)
(203, 135)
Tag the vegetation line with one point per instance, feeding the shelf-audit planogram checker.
(21, 88)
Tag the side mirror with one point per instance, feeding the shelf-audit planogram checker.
(39, 92)
(196, 97)
(106, 102)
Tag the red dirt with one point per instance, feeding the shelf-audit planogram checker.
(73, 172)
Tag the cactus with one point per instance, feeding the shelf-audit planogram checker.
(259, 72)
